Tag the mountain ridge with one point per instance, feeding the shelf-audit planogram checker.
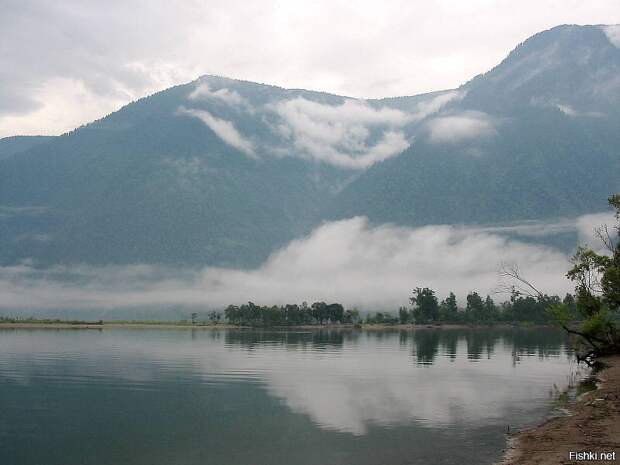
(223, 172)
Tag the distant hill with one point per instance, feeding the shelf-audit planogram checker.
(11, 145)
(223, 172)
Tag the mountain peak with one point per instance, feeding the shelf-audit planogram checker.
(568, 65)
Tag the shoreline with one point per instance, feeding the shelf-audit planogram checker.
(181, 325)
(111, 325)
(591, 425)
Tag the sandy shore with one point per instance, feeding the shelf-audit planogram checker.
(593, 425)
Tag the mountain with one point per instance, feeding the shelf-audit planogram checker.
(153, 183)
(224, 172)
(536, 137)
(9, 146)
(571, 68)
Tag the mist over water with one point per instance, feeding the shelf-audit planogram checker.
(265, 397)
(350, 261)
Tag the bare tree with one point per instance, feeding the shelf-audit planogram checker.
(518, 284)
(513, 282)
(602, 233)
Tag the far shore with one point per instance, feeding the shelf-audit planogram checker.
(200, 326)
(592, 424)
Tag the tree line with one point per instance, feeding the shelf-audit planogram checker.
(426, 308)
(320, 313)
(595, 305)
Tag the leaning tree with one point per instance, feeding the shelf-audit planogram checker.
(596, 275)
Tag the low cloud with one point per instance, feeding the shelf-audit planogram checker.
(348, 261)
(342, 134)
(533, 228)
(429, 107)
(587, 226)
(461, 126)
(351, 135)
(613, 34)
(204, 92)
(225, 130)
(568, 110)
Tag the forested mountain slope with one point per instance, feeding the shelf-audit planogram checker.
(224, 172)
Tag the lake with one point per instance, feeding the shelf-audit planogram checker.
(186, 397)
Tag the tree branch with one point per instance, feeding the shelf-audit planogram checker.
(513, 272)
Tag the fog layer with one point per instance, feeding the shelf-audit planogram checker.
(348, 261)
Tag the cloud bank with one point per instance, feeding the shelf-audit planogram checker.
(613, 34)
(341, 134)
(433, 105)
(352, 134)
(461, 126)
(565, 108)
(348, 261)
(225, 130)
(587, 226)
(203, 92)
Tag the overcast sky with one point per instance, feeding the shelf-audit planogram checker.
(68, 62)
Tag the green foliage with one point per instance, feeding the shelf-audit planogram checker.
(490, 310)
(530, 308)
(484, 311)
(251, 314)
(480, 311)
(404, 316)
(382, 318)
(352, 316)
(426, 307)
(475, 308)
(597, 324)
(597, 291)
(560, 313)
(587, 266)
(448, 309)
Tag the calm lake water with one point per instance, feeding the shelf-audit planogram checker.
(125, 397)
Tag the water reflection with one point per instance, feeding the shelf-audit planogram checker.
(426, 344)
(346, 381)
(315, 339)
